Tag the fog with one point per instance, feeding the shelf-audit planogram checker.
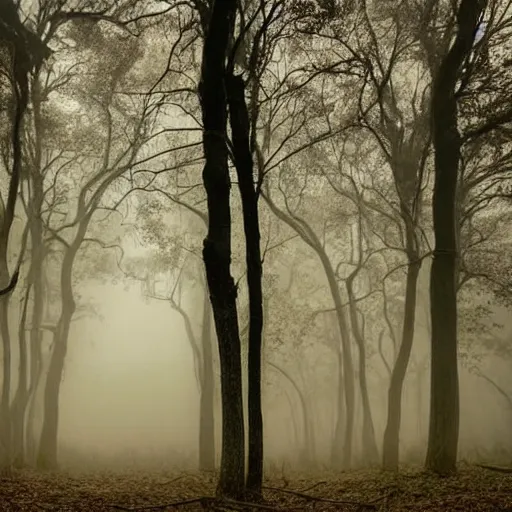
(130, 398)
(256, 242)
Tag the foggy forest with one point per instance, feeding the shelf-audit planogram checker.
(256, 255)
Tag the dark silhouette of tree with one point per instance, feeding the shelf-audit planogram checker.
(217, 244)
(444, 399)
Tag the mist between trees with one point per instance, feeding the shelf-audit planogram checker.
(255, 234)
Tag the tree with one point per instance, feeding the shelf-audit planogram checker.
(23, 52)
(217, 245)
(444, 399)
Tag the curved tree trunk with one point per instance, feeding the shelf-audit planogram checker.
(308, 446)
(348, 367)
(47, 453)
(370, 450)
(308, 235)
(390, 454)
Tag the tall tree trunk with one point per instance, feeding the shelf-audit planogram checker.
(217, 246)
(21, 398)
(337, 440)
(206, 405)
(5, 409)
(370, 450)
(35, 274)
(20, 91)
(444, 394)
(240, 129)
(347, 364)
(47, 453)
(391, 444)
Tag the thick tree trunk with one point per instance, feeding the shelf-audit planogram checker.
(390, 454)
(370, 450)
(206, 406)
(444, 394)
(217, 246)
(240, 128)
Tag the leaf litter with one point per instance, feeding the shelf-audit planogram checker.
(472, 489)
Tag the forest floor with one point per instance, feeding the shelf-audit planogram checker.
(472, 489)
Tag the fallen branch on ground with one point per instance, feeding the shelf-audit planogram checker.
(371, 505)
(207, 502)
(499, 469)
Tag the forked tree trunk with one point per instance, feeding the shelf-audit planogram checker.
(444, 393)
(217, 246)
(240, 129)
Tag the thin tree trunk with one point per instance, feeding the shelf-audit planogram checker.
(206, 407)
(7, 284)
(444, 394)
(348, 367)
(370, 450)
(239, 120)
(308, 443)
(5, 410)
(308, 235)
(217, 246)
(21, 398)
(47, 453)
(391, 444)
(340, 416)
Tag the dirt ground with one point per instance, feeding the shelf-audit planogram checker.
(472, 489)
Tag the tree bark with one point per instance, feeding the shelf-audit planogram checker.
(444, 394)
(20, 401)
(217, 246)
(47, 453)
(370, 450)
(206, 406)
(340, 413)
(391, 444)
(240, 133)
